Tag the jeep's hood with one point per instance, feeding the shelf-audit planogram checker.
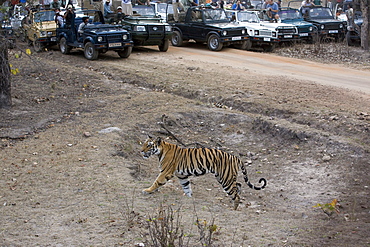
(223, 25)
(105, 29)
(297, 22)
(256, 26)
(325, 21)
(276, 25)
(46, 26)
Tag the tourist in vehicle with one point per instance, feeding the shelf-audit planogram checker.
(119, 15)
(305, 6)
(69, 15)
(107, 10)
(127, 7)
(56, 5)
(237, 6)
(177, 5)
(59, 20)
(84, 23)
(272, 9)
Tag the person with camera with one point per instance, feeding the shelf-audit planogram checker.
(272, 9)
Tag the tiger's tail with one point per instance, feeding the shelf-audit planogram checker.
(262, 180)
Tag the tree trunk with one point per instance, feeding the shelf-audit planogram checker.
(365, 28)
(5, 85)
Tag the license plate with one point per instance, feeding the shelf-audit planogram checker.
(303, 34)
(288, 36)
(53, 38)
(333, 31)
(114, 44)
(236, 38)
(266, 39)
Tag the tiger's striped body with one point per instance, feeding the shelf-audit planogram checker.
(185, 162)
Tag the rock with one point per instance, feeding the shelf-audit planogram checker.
(108, 130)
(326, 158)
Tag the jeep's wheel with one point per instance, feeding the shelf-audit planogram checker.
(214, 43)
(348, 39)
(125, 53)
(245, 45)
(164, 46)
(176, 39)
(268, 48)
(64, 48)
(37, 45)
(90, 52)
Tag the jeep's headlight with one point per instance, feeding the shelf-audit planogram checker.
(43, 34)
(168, 28)
(310, 29)
(124, 37)
(322, 27)
(139, 28)
(340, 26)
(243, 31)
(256, 33)
(50, 34)
(100, 39)
(224, 33)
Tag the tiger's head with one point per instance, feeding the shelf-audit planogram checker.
(150, 147)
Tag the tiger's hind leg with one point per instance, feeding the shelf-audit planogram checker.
(185, 183)
(232, 188)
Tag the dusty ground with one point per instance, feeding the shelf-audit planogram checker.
(72, 173)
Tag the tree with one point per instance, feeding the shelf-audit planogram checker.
(5, 83)
(365, 28)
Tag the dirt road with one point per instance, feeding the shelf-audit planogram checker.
(72, 172)
(270, 64)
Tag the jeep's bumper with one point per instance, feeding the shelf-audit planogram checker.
(288, 37)
(48, 40)
(234, 39)
(264, 40)
(140, 39)
(114, 45)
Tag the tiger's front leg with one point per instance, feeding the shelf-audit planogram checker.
(185, 183)
(160, 180)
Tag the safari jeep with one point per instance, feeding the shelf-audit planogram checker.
(40, 29)
(97, 37)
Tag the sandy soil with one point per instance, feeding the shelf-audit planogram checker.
(72, 173)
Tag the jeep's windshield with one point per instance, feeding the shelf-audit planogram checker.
(215, 15)
(144, 10)
(244, 16)
(290, 14)
(164, 8)
(44, 16)
(320, 13)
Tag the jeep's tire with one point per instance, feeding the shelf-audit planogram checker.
(90, 52)
(63, 47)
(164, 46)
(125, 53)
(214, 43)
(268, 48)
(176, 39)
(349, 42)
(37, 45)
(245, 45)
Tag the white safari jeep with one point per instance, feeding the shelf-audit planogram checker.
(260, 35)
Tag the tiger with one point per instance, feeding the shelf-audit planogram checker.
(185, 162)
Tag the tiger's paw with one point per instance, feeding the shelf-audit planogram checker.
(146, 191)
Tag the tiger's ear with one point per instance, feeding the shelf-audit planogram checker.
(159, 140)
(149, 136)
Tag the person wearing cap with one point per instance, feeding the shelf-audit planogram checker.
(107, 9)
(84, 23)
(119, 14)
